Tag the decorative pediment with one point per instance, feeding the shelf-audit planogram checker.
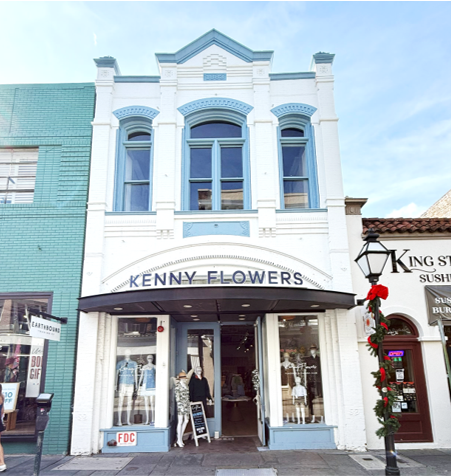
(214, 37)
(293, 108)
(215, 103)
(136, 111)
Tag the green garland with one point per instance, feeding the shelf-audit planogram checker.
(390, 425)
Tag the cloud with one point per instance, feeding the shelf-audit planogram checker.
(412, 210)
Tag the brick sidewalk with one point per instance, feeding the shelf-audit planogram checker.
(285, 463)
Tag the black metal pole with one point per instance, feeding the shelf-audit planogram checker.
(37, 458)
(390, 452)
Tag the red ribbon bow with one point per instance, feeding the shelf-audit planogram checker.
(374, 346)
(382, 371)
(377, 291)
(385, 401)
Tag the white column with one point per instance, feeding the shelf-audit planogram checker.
(274, 378)
(85, 379)
(162, 374)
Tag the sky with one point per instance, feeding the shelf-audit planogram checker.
(392, 71)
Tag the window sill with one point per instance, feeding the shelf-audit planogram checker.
(302, 210)
(214, 212)
(130, 213)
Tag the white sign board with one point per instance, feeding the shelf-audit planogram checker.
(126, 438)
(10, 393)
(45, 329)
(34, 370)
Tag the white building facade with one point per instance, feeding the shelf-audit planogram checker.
(216, 211)
(418, 276)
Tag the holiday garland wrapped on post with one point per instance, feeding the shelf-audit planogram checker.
(383, 408)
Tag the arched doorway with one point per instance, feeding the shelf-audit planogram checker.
(412, 407)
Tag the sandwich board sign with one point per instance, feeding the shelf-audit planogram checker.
(199, 422)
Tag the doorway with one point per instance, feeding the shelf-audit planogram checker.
(238, 360)
(411, 405)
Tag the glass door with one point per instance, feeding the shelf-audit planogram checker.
(198, 354)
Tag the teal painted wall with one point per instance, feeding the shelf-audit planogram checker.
(42, 242)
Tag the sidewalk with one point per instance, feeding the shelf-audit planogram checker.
(218, 459)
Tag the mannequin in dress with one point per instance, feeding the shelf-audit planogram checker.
(127, 379)
(314, 388)
(287, 369)
(183, 406)
(199, 391)
(147, 389)
(299, 394)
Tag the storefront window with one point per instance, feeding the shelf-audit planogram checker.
(200, 360)
(135, 382)
(300, 367)
(404, 383)
(21, 364)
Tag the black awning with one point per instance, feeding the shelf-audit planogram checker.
(227, 301)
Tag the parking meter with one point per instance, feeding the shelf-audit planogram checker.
(44, 401)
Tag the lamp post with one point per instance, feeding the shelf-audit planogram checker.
(371, 260)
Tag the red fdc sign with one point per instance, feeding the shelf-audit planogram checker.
(396, 353)
(126, 438)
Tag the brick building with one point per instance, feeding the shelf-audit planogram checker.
(45, 147)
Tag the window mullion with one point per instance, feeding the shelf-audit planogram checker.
(216, 175)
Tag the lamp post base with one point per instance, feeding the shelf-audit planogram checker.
(391, 471)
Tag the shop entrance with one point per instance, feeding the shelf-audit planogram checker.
(238, 360)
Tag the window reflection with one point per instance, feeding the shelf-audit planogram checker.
(210, 130)
(200, 196)
(232, 195)
(296, 194)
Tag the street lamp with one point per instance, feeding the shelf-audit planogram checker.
(371, 260)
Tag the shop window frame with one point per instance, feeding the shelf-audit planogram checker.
(215, 115)
(31, 295)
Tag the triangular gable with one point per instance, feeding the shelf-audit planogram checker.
(214, 37)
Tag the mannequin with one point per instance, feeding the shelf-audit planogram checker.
(299, 394)
(199, 391)
(147, 389)
(127, 379)
(314, 387)
(183, 406)
(287, 369)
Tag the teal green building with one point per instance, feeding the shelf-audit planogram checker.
(45, 148)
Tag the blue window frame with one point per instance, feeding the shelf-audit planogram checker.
(216, 162)
(133, 187)
(297, 163)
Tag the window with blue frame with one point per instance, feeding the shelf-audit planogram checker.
(216, 166)
(297, 163)
(134, 166)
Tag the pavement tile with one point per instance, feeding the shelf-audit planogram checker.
(306, 472)
(48, 462)
(147, 458)
(233, 460)
(187, 460)
(187, 471)
(136, 470)
(102, 473)
(437, 460)
(303, 459)
(12, 461)
(426, 452)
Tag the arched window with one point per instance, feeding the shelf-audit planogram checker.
(134, 165)
(297, 158)
(216, 165)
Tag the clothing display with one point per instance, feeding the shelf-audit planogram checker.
(199, 391)
(299, 391)
(148, 381)
(126, 390)
(287, 375)
(314, 385)
(127, 372)
(182, 397)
